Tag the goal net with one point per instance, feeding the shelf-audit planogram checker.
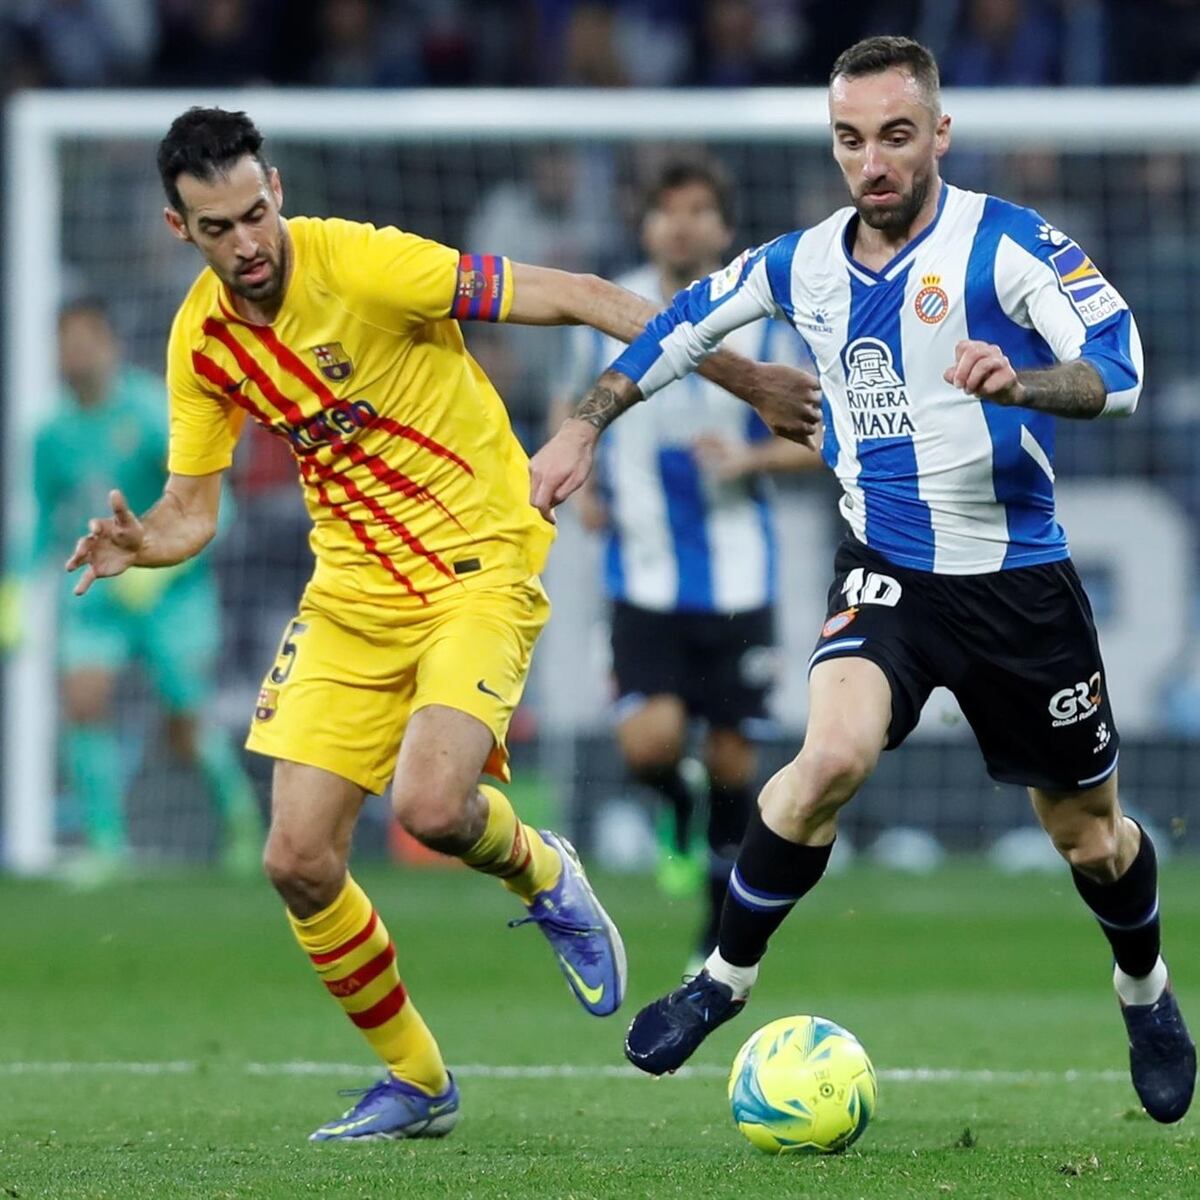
(552, 178)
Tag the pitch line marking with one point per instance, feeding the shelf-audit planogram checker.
(536, 1071)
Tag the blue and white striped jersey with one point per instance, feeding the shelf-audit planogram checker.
(932, 478)
(678, 539)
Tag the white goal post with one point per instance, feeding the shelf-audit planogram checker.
(38, 124)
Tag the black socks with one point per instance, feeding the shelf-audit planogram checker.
(1127, 910)
(771, 874)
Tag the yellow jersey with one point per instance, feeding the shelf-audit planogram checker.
(411, 473)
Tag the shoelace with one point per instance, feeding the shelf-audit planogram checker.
(555, 922)
(586, 952)
(698, 992)
(366, 1093)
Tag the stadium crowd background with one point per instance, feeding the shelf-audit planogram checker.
(576, 206)
(592, 43)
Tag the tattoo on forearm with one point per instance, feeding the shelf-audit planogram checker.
(602, 405)
(1072, 389)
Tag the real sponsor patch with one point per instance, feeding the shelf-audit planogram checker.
(1091, 295)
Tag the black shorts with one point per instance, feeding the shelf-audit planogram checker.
(721, 665)
(1018, 649)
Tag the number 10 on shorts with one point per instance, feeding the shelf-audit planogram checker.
(869, 587)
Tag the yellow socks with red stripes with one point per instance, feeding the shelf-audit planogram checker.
(513, 852)
(356, 961)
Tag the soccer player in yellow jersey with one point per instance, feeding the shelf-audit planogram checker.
(412, 641)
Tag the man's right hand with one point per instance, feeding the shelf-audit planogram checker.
(110, 546)
(560, 467)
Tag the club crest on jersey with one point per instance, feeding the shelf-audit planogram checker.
(931, 302)
(334, 362)
(875, 392)
(268, 702)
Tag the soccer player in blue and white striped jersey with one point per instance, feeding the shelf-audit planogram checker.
(949, 330)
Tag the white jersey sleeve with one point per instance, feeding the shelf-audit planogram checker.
(682, 336)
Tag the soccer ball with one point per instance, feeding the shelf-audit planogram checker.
(802, 1085)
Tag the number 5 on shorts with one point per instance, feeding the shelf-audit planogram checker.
(285, 660)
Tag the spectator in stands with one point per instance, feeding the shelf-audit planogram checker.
(727, 53)
(21, 63)
(1154, 41)
(88, 43)
(214, 42)
(1001, 43)
(590, 56)
(361, 45)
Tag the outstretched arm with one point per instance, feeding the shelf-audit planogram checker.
(543, 296)
(177, 528)
(675, 342)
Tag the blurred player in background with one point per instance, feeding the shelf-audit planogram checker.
(110, 428)
(413, 639)
(950, 328)
(690, 555)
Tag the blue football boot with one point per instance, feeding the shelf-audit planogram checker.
(665, 1034)
(584, 939)
(1162, 1057)
(390, 1109)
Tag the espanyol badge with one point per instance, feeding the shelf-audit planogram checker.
(335, 364)
(931, 302)
(838, 622)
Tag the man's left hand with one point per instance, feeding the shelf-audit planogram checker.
(982, 369)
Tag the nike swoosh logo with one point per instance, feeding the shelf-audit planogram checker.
(483, 687)
(435, 1110)
(346, 1126)
(230, 388)
(593, 995)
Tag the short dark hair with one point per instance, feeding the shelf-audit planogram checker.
(874, 55)
(205, 142)
(679, 172)
(85, 306)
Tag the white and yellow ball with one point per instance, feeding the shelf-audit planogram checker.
(802, 1085)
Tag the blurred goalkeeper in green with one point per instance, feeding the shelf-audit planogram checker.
(109, 429)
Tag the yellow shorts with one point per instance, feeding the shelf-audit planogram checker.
(348, 677)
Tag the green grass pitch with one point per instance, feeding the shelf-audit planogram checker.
(164, 1039)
